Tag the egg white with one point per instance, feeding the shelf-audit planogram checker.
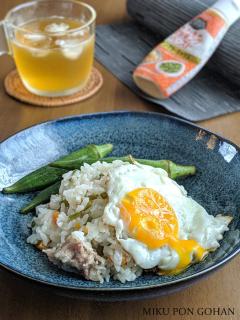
(194, 221)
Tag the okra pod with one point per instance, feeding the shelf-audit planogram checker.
(89, 154)
(174, 170)
(42, 197)
(37, 180)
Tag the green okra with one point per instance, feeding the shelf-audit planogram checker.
(89, 154)
(42, 197)
(37, 180)
(174, 170)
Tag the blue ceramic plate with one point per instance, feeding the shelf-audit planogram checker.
(145, 135)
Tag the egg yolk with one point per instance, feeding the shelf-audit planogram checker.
(150, 219)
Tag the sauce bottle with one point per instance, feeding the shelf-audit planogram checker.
(177, 59)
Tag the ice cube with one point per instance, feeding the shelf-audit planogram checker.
(57, 27)
(35, 37)
(38, 41)
(72, 53)
(39, 53)
(71, 48)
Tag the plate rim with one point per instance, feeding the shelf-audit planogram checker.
(229, 257)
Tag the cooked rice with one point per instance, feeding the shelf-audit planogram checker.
(83, 192)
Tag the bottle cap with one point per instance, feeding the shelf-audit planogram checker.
(230, 9)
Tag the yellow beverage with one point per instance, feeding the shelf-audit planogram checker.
(53, 56)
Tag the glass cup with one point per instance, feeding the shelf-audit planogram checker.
(52, 43)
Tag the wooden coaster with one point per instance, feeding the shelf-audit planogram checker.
(15, 88)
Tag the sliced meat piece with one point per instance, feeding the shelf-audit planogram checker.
(78, 255)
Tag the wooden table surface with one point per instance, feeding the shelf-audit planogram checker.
(18, 301)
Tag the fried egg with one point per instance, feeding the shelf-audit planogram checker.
(156, 222)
